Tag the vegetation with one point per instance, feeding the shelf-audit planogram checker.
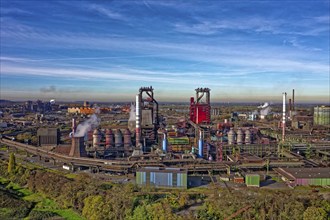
(11, 164)
(95, 200)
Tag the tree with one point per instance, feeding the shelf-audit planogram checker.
(314, 213)
(11, 164)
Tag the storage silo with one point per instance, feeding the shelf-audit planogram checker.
(240, 137)
(109, 139)
(118, 138)
(127, 139)
(231, 136)
(96, 138)
(248, 137)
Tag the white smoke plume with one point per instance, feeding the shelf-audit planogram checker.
(86, 126)
(132, 114)
(131, 120)
(265, 111)
(264, 105)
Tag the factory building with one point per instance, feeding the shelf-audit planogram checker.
(252, 180)
(305, 176)
(147, 118)
(48, 136)
(200, 111)
(322, 115)
(162, 177)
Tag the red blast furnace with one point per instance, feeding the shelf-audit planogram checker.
(200, 110)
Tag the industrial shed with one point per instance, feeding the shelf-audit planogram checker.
(48, 136)
(305, 176)
(162, 177)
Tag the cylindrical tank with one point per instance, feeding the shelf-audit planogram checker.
(108, 138)
(231, 136)
(118, 138)
(248, 137)
(96, 138)
(165, 143)
(127, 139)
(240, 136)
(200, 145)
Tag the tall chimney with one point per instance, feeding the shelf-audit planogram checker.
(290, 110)
(74, 126)
(138, 121)
(283, 119)
(290, 106)
(293, 100)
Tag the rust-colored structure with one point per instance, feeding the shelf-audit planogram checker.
(200, 111)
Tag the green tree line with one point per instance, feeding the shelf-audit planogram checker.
(95, 199)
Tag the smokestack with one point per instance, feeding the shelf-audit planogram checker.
(290, 110)
(293, 99)
(283, 119)
(74, 126)
(290, 106)
(138, 120)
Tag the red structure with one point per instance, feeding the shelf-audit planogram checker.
(200, 110)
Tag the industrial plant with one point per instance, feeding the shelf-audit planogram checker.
(182, 146)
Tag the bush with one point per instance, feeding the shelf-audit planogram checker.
(40, 215)
(13, 207)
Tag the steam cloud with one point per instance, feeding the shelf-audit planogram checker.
(132, 113)
(265, 109)
(48, 89)
(86, 126)
(131, 119)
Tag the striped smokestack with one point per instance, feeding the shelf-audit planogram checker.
(74, 126)
(138, 120)
(284, 116)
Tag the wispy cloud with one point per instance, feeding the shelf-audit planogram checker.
(107, 12)
(94, 74)
(9, 11)
(211, 26)
(296, 43)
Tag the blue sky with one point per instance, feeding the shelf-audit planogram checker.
(106, 50)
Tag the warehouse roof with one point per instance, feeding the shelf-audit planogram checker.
(163, 170)
(48, 131)
(304, 173)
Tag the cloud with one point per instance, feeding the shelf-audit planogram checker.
(322, 19)
(211, 26)
(298, 44)
(50, 89)
(9, 11)
(106, 12)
